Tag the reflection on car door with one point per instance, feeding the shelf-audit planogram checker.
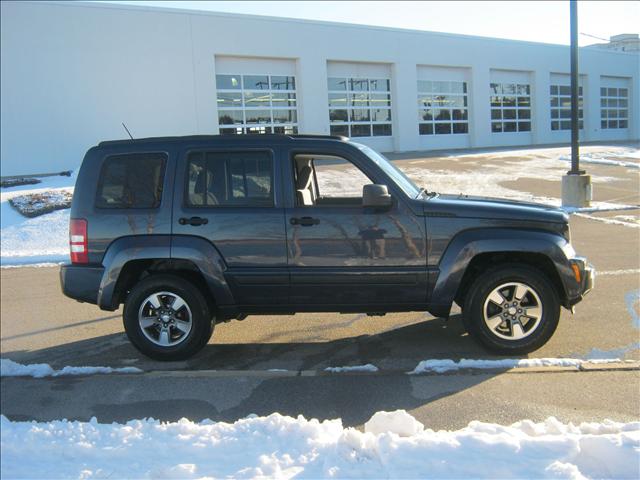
(341, 253)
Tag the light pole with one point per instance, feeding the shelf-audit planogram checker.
(576, 184)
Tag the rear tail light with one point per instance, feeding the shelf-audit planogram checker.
(78, 241)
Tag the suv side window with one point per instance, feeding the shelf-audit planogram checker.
(131, 181)
(229, 179)
(327, 180)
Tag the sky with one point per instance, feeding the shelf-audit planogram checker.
(537, 21)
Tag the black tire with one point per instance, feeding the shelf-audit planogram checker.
(536, 333)
(188, 344)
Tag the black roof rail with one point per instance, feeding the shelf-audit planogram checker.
(219, 137)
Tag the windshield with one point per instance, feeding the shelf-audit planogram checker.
(390, 169)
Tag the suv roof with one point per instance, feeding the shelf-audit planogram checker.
(217, 138)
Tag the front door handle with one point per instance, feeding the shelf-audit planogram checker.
(304, 221)
(195, 221)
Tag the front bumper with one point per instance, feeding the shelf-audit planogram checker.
(584, 275)
(81, 283)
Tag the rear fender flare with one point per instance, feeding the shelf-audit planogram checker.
(124, 250)
(157, 247)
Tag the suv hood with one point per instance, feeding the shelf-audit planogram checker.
(492, 208)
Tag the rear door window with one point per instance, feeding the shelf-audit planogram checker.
(131, 181)
(217, 179)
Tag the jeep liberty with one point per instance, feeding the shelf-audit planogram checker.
(188, 232)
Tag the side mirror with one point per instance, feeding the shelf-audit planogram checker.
(376, 196)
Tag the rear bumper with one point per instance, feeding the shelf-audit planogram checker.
(81, 283)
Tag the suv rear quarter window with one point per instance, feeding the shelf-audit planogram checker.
(131, 181)
(217, 179)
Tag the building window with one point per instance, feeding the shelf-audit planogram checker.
(561, 107)
(442, 108)
(510, 107)
(614, 107)
(360, 107)
(255, 104)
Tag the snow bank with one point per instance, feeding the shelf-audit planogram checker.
(283, 447)
(445, 365)
(9, 368)
(40, 239)
(36, 240)
(355, 368)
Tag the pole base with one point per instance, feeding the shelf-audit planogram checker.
(576, 191)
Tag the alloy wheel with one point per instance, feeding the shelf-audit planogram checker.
(165, 319)
(512, 311)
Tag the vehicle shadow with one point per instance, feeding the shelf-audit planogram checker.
(353, 398)
(397, 349)
(225, 382)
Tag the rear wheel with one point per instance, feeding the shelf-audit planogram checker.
(512, 309)
(167, 318)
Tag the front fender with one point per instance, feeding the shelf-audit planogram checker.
(466, 245)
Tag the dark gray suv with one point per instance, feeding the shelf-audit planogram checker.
(187, 232)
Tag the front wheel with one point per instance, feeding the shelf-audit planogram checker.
(167, 318)
(512, 309)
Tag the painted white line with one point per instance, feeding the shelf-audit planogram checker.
(609, 221)
(628, 271)
(33, 265)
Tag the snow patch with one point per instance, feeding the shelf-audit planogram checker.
(277, 446)
(398, 422)
(355, 368)
(598, 354)
(604, 159)
(9, 368)
(445, 365)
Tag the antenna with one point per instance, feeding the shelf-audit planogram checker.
(125, 127)
(593, 36)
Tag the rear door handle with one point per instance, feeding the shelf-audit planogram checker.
(304, 221)
(195, 221)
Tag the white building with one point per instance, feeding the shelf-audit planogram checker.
(626, 42)
(73, 72)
